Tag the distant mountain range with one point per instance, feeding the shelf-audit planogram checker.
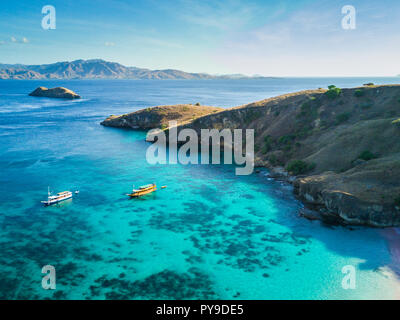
(100, 69)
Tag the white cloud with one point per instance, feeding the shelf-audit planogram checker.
(109, 44)
(15, 40)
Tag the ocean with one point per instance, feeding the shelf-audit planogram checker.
(209, 235)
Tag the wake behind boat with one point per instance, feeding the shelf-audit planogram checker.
(61, 196)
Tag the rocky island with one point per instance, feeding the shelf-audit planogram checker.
(59, 92)
(340, 148)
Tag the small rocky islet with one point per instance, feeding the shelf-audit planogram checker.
(59, 93)
(340, 148)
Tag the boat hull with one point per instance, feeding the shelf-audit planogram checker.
(55, 201)
(144, 192)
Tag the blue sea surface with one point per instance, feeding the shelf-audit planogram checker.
(209, 235)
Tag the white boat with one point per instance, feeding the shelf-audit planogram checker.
(61, 196)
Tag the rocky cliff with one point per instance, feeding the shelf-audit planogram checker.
(59, 92)
(340, 148)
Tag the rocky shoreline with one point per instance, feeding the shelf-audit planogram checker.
(335, 208)
(339, 148)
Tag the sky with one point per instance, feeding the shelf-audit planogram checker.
(263, 37)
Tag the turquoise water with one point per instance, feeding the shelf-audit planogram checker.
(209, 234)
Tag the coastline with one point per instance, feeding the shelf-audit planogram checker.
(243, 233)
(338, 148)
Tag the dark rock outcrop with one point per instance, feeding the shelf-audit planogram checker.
(59, 92)
(324, 192)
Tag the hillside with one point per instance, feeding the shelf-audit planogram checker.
(340, 148)
(343, 146)
(99, 69)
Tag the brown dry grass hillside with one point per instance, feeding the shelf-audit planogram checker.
(158, 117)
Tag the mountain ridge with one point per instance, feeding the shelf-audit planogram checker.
(100, 69)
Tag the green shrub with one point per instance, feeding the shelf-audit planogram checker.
(287, 148)
(333, 92)
(306, 106)
(304, 131)
(343, 117)
(273, 159)
(284, 140)
(359, 93)
(297, 167)
(309, 110)
(367, 155)
(164, 126)
(397, 201)
(268, 141)
(369, 84)
(396, 123)
(198, 104)
(251, 116)
(365, 106)
(265, 149)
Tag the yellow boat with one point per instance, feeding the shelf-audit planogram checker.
(143, 190)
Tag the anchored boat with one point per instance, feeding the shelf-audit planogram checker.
(61, 196)
(143, 190)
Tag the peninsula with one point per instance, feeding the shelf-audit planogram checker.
(158, 117)
(340, 148)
